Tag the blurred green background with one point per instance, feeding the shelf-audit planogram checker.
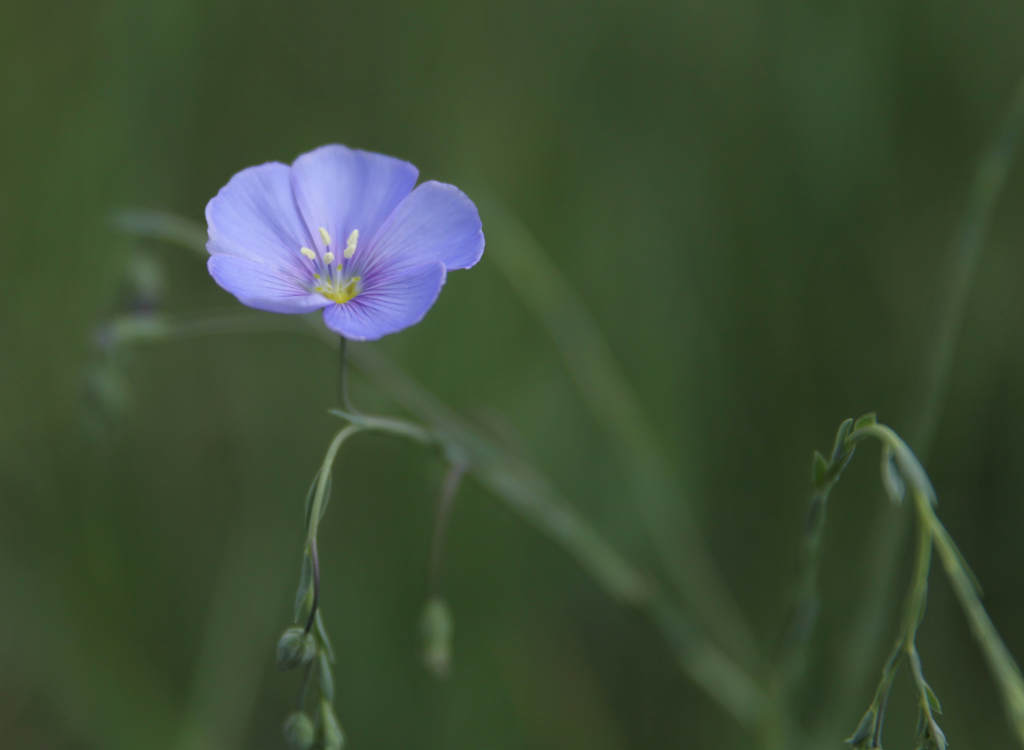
(756, 201)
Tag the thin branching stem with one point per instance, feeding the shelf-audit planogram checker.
(1001, 662)
(518, 484)
(968, 243)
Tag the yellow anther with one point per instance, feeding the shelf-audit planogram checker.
(324, 236)
(328, 257)
(350, 246)
(308, 253)
(340, 292)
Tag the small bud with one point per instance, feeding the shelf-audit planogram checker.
(437, 626)
(334, 739)
(299, 731)
(295, 648)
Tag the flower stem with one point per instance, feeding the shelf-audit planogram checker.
(314, 555)
(516, 483)
(444, 509)
(984, 191)
(1001, 662)
(342, 375)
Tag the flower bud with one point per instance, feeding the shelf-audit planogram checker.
(299, 732)
(437, 626)
(334, 738)
(295, 648)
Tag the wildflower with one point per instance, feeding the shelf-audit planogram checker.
(344, 231)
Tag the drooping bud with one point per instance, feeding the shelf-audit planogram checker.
(295, 648)
(299, 732)
(334, 738)
(437, 626)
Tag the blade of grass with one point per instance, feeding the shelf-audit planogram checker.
(667, 511)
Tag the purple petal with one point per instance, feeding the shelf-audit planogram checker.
(262, 286)
(435, 223)
(254, 216)
(341, 189)
(389, 301)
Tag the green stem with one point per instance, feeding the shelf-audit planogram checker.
(986, 187)
(1001, 662)
(998, 656)
(316, 511)
(706, 664)
(320, 494)
(445, 501)
(524, 490)
(343, 376)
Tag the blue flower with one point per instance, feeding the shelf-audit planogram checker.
(344, 231)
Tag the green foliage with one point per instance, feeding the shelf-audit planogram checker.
(755, 207)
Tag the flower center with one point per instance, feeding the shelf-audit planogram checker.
(330, 279)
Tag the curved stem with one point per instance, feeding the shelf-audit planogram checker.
(1001, 662)
(444, 509)
(998, 656)
(316, 511)
(524, 490)
(711, 668)
(314, 555)
(985, 189)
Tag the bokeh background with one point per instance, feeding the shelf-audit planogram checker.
(758, 204)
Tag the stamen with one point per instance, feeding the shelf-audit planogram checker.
(328, 257)
(350, 246)
(308, 253)
(324, 236)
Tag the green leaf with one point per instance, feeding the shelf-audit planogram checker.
(326, 677)
(321, 631)
(864, 729)
(819, 470)
(841, 452)
(933, 700)
(312, 494)
(304, 593)
(865, 420)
